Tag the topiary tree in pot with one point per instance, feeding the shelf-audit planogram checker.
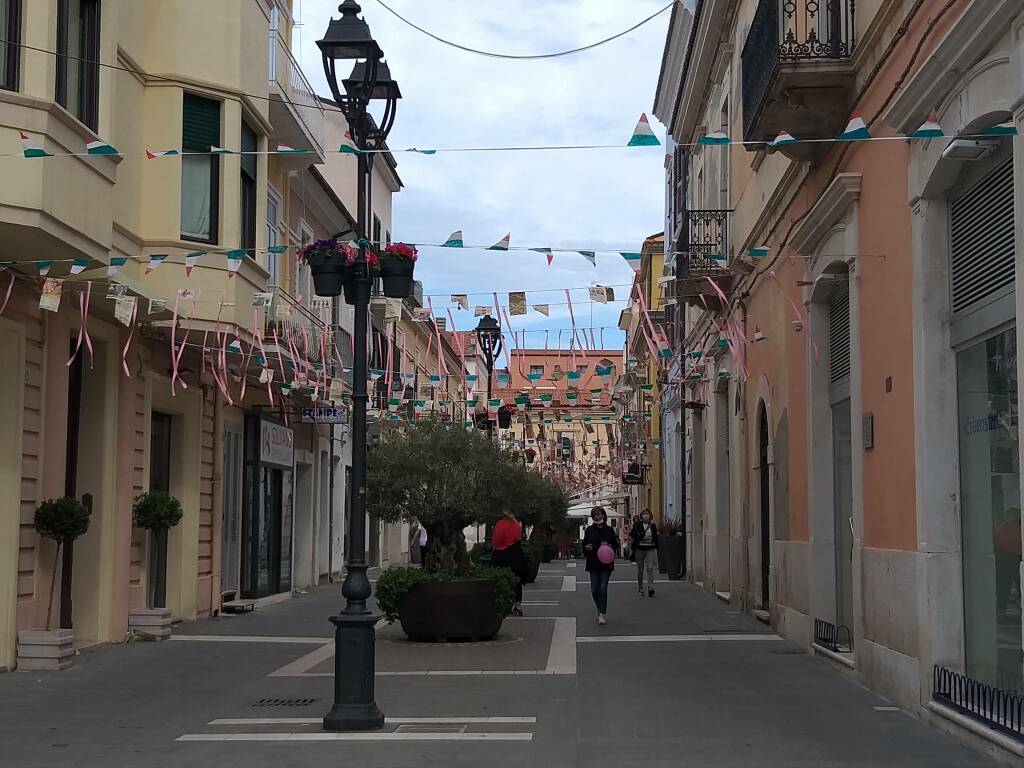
(158, 512)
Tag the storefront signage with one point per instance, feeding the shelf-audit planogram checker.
(325, 415)
(277, 444)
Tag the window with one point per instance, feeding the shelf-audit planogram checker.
(537, 370)
(10, 32)
(247, 190)
(387, 237)
(376, 230)
(78, 57)
(581, 369)
(273, 224)
(302, 287)
(200, 173)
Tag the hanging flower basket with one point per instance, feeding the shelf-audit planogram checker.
(396, 270)
(334, 267)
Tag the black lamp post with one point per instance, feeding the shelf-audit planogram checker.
(348, 39)
(488, 337)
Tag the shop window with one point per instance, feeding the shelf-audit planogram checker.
(990, 509)
(78, 57)
(200, 173)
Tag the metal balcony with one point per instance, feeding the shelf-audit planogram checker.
(705, 255)
(296, 113)
(797, 72)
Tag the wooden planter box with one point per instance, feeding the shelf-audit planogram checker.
(453, 610)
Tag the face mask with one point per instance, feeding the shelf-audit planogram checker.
(646, 519)
(599, 522)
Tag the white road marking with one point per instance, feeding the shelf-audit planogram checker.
(676, 638)
(570, 565)
(562, 653)
(887, 709)
(553, 602)
(568, 583)
(328, 736)
(252, 639)
(388, 721)
(312, 659)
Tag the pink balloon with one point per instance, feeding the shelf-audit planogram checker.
(606, 554)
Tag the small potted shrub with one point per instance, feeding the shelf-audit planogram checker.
(63, 520)
(670, 548)
(396, 270)
(157, 513)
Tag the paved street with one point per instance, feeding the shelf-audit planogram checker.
(678, 680)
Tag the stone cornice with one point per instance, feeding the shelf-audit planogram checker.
(843, 192)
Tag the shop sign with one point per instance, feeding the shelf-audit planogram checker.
(277, 444)
(325, 415)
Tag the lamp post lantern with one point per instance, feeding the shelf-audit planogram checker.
(349, 39)
(488, 337)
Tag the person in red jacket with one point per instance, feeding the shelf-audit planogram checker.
(508, 553)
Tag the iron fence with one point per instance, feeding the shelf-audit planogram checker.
(707, 241)
(829, 636)
(1000, 710)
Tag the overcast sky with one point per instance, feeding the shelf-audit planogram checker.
(590, 199)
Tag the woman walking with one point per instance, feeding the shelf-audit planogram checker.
(508, 553)
(644, 539)
(599, 545)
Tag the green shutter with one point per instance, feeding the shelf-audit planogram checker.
(250, 145)
(200, 127)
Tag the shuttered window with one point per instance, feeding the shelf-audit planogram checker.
(200, 173)
(200, 127)
(839, 334)
(982, 262)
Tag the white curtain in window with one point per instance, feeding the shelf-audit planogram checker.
(195, 196)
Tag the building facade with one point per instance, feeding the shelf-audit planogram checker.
(158, 332)
(848, 325)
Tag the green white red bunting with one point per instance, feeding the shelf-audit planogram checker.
(643, 136)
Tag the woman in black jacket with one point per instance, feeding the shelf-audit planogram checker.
(644, 541)
(600, 573)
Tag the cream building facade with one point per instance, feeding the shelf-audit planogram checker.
(165, 401)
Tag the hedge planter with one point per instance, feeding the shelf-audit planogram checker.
(396, 275)
(450, 610)
(534, 570)
(672, 552)
(328, 273)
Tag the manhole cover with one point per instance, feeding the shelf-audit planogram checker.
(431, 729)
(284, 702)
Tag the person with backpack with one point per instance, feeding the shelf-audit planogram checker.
(644, 540)
(599, 546)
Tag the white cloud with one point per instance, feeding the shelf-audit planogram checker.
(590, 199)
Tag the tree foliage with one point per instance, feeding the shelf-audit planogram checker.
(448, 478)
(63, 519)
(156, 511)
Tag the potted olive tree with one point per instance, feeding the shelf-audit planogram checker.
(446, 478)
(63, 520)
(156, 512)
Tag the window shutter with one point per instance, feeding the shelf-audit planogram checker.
(839, 334)
(200, 127)
(249, 144)
(982, 260)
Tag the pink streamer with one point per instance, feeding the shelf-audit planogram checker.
(7, 296)
(131, 334)
(83, 332)
(174, 350)
(799, 315)
(442, 366)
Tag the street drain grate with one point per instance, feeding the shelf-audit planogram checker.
(284, 702)
(431, 729)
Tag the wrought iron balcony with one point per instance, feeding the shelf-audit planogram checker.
(797, 74)
(705, 254)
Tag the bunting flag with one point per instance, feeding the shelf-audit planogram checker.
(634, 260)
(461, 299)
(604, 372)
(472, 378)
(544, 309)
(521, 402)
(759, 252)
(590, 256)
(504, 379)
(930, 129)
(234, 261)
(153, 154)
(714, 138)
(393, 404)
(30, 149)
(454, 240)
(856, 129)
(284, 149)
(534, 376)
(191, 259)
(783, 139)
(480, 311)
(435, 379)
(49, 299)
(758, 336)
(547, 252)
(1003, 129)
(723, 373)
(546, 399)
(517, 303)
(221, 151)
(599, 294)
(116, 262)
(572, 397)
(647, 387)
(100, 148)
(78, 266)
(155, 260)
(643, 136)
(376, 373)
(503, 244)
(494, 403)
(573, 376)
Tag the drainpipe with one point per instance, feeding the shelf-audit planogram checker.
(217, 515)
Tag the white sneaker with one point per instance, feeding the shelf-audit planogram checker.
(601, 619)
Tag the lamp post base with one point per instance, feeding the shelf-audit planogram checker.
(354, 706)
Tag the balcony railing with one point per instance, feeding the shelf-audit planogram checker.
(289, 77)
(790, 31)
(707, 241)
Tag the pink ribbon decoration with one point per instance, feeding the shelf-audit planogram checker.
(648, 336)
(442, 366)
(224, 368)
(799, 315)
(174, 350)
(504, 347)
(460, 344)
(7, 296)
(131, 333)
(83, 332)
(280, 358)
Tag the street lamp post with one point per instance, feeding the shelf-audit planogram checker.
(488, 336)
(348, 39)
